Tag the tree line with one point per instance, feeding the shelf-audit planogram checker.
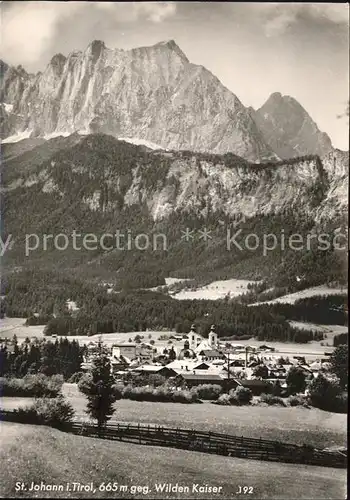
(41, 356)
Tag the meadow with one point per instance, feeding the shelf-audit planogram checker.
(34, 454)
(294, 425)
(291, 298)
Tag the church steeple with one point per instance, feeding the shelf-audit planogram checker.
(193, 337)
(213, 338)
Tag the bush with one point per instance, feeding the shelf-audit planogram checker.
(272, 400)
(241, 395)
(224, 399)
(84, 383)
(38, 385)
(184, 397)
(159, 394)
(118, 390)
(299, 400)
(207, 391)
(326, 393)
(47, 411)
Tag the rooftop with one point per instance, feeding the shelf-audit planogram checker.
(207, 376)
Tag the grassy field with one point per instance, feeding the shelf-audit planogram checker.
(291, 298)
(215, 290)
(11, 326)
(34, 454)
(294, 425)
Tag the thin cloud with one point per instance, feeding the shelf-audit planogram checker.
(276, 17)
(156, 11)
(39, 22)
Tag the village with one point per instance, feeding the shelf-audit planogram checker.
(192, 360)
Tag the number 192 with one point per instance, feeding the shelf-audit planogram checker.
(245, 490)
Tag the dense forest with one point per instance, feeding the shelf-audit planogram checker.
(327, 310)
(41, 297)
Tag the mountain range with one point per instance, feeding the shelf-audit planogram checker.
(193, 157)
(153, 94)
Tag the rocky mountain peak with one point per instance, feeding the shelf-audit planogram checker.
(288, 128)
(95, 48)
(57, 63)
(172, 45)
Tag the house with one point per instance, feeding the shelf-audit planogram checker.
(164, 371)
(120, 363)
(195, 379)
(210, 354)
(237, 363)
(127, 349)
(132, 350)
(187, 365)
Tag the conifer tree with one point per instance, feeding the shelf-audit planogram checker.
(98, 388)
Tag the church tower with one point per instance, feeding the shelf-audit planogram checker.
(192, 337)
(213, 338)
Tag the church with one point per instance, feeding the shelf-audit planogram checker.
(197, 347)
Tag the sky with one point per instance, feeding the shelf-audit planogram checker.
(255, 49)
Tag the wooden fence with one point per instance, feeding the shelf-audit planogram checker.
(207, 442)
(213, 442)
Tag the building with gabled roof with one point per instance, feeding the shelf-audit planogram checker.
(187, 365)
(210, 354)
(165, 371)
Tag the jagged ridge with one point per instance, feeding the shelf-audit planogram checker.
(152, 93)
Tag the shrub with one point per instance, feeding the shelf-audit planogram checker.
(299, 400)
(84, 383)
(272, 400)
(38, 385)
(160, 394)
(47, 411)
(184, 396)
(241, 395)
(118, 390)
(207, 391)
(223, 399)
(326, 393)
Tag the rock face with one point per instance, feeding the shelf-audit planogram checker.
(150, 93)
(289, 129)
(335, 205)
(114, 176)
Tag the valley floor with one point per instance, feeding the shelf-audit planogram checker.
(15, 326)
(41, 454)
